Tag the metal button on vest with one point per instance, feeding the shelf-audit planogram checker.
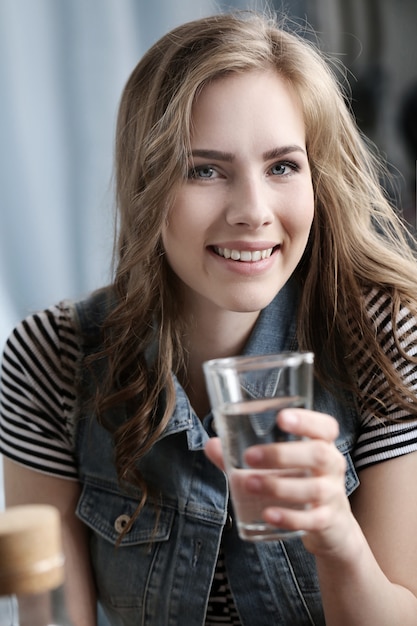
(121, 523)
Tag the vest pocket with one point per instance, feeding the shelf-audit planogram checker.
(107, 512)
(124, 567)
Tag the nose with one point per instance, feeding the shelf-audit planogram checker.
(248, 203)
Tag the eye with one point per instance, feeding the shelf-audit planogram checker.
(202, 172)
(283, 168)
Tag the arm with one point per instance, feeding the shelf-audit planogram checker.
(379, 566)
(365, 554)
(25, 486)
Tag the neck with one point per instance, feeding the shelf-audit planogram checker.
(213, 336)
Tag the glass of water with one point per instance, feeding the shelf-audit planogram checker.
(246, 394)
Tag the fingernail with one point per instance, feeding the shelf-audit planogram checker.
(253, 484)
(253, 456)
(274, 516)
(289, 417)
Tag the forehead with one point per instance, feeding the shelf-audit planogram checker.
(249, 104)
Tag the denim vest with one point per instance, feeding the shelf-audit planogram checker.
(161, 573)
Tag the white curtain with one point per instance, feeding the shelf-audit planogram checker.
(63, 64)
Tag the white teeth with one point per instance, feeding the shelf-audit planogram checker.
(244, 255)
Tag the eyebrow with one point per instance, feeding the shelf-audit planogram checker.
(219, 155)
(277, 153)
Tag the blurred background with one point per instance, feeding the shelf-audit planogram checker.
(63, 64)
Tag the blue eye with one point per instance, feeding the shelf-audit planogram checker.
(283, 169)
(202, 172)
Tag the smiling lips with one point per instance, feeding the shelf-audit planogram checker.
(244, 255)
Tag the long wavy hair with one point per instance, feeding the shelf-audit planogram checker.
(357, 241)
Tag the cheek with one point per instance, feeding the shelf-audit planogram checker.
(191, 218)
(298, 220)
(175, 225)
(182, 214)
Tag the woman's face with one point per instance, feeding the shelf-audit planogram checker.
(240, 223)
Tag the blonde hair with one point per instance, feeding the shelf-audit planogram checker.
(356, 242)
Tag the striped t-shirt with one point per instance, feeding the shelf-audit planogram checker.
(38, 395)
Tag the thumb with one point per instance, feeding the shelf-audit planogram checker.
(213, 451)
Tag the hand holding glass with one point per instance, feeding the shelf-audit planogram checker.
(246, 394)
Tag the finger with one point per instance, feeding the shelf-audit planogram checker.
(294, 492)
(311, 519)
(213, 451)
(310, 424)
(317, 456)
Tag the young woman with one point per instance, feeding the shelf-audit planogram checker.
(250, 221)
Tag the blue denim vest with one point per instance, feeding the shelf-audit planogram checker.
(161, 573)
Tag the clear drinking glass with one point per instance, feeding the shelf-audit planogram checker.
(246, 394)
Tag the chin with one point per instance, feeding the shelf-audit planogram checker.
(250, 305)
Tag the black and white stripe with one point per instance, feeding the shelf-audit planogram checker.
(221, 607)
(37, 392)
(380, 440)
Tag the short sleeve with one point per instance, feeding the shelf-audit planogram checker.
(383, 439)
(37, 394)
